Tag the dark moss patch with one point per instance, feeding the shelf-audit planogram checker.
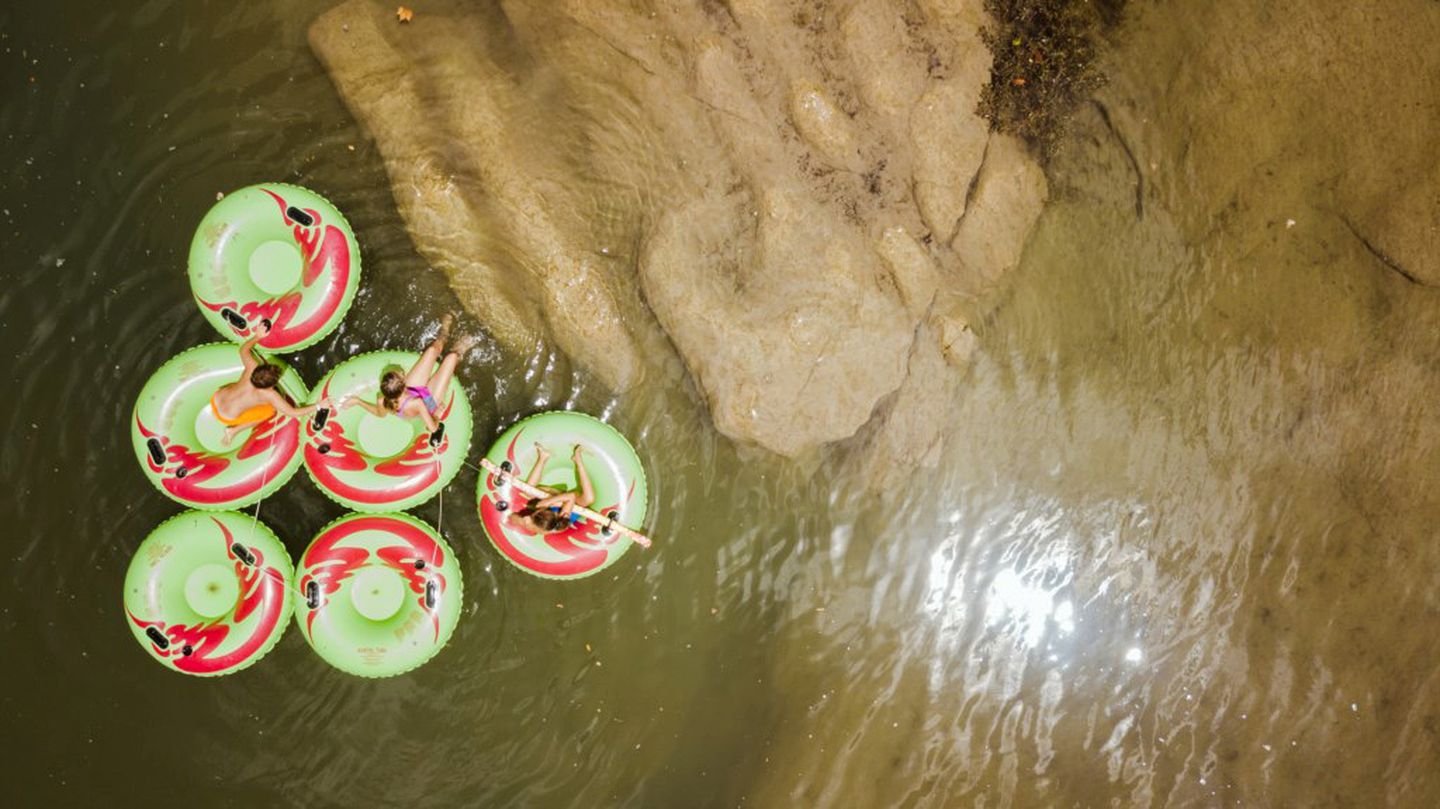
(1045, 64)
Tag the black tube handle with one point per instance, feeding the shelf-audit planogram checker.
(321, 416)
(312, 595)
(157, 637)
(157, 452)
(234, 318)
(244, 553)
(437, 436)
(609, 528)
(430, 594)
(297, 215)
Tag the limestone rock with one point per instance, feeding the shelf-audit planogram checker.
(763, 196)
(910, 267)
(889, 75)
(791, 356)
(952, 329)
(1009, 193)
(909, 427)
(824, 125)
(949, 140)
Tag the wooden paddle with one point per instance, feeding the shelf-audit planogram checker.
(608, 524)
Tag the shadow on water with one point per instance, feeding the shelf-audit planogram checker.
(1178, 553)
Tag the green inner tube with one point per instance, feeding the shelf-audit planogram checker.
(177, 437)
(615, 472)
(382, 463)
(208, 593)
(277, 253)
(380, 594)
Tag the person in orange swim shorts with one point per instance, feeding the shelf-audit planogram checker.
(253, 398)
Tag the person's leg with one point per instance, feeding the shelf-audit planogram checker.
(420, 372)
(230, 433)
(587, 492)
(439, 384)
(538, 470)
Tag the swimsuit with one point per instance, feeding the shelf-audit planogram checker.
(423, 394)
(574, 516)
(254, 415)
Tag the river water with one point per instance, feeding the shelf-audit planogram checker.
(1180, 550)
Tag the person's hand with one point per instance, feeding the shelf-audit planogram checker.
(262, 328)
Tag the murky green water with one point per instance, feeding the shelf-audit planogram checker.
(1180, 552)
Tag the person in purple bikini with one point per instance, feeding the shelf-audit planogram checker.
(417, 394)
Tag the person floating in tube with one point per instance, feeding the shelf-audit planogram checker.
(555, 513)
(254, 397)
(417, 393)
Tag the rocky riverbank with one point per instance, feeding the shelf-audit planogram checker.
(797, 208)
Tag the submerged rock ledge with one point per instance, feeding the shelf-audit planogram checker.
(803, 208)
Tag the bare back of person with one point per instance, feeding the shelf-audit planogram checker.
(253, 398)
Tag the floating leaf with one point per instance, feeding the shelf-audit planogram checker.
(404, 14)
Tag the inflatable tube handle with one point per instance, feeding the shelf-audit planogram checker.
(234, 318)
(312, 594)
(157, 452)
(429, 594)
(157, 637)
(300, 216)
(244, 553)
(437, 436)
(321, 416)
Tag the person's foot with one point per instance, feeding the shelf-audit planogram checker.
(464, 344)
(579, 450)
(541, 451)
(446, 321)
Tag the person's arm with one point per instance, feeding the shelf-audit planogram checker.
(284, 408)
(564, 500)
(372, 409)
(247, 348)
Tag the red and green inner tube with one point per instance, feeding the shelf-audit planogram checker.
(615, 472)
(208, 593)
(380, 594)
(382, 463)
(278, 254)
(179, 441)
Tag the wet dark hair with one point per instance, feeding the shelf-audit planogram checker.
(545, 519)
(392, 387)
(265, 376)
